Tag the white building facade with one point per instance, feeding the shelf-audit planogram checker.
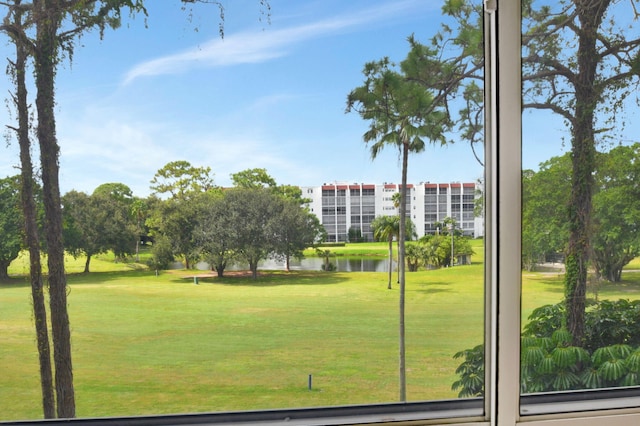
(342, 207)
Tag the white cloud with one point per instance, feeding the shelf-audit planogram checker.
(256, 47)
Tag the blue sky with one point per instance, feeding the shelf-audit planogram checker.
(270, 94)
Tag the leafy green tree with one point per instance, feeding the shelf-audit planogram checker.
(177, 217)
(116, 190)
(118, 230)
(214, 232)
(437, 248)
(179, 179)
(616, 211)
(11, 223)
(291, 192)
(162, 253)
(253, 178)
(544, 219)
(96, 224)
(386, 228)
(254, 214)
(296, 229)
(81, 233)
(259, 178)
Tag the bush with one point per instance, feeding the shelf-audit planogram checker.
(161, 254)
(610, 356)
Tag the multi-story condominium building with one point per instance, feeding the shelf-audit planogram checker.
(342, 207)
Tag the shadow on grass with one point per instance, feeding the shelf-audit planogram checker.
(15, 282)
(100, 277)
(265, 278)
(431, 287)
(630, 283)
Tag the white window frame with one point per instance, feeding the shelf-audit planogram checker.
(504, 128)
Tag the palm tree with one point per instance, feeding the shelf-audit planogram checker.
(401, 113)
(386, 228)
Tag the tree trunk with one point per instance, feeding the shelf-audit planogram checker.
(86, 264)
(390, 261)
(253, 266)
(583, 162)
(4, 270)
(401, 238)
(31, 233)
(45, 60)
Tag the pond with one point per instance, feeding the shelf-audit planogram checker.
(343, 264)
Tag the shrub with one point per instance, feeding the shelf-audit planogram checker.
(610, 356)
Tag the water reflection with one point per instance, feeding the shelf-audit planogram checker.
(343, 264)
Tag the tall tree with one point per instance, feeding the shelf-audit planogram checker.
(578, 63)
(401, 114)
(29, 210)
(581, 61)
(49, 30)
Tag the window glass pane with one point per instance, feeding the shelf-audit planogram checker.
(186, 296)
(580, 206)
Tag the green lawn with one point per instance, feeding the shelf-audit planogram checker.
(144, 344)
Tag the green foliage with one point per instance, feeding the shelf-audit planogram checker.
(415, 256)
(471, 372)
(179, 179)
(355, 235)
(610, 356)
(615, 237)
(436, 249)
(545, 195)
(253, 178)
(11, 223)
(327, 265)
(162, 253)
(98, 223)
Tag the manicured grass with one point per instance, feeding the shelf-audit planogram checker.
(355, 249)
(144, 344)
